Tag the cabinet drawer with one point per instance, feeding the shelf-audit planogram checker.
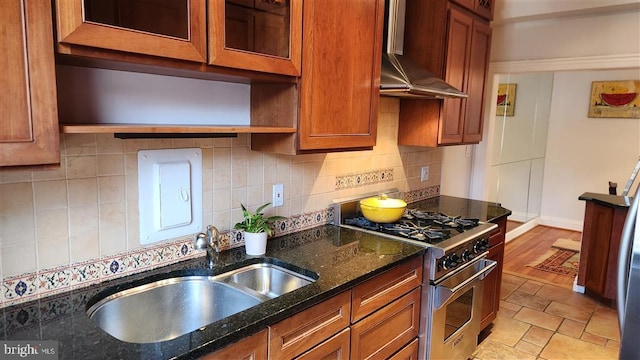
(292, 336)
(388, 330)
(381, 290)
(409, 352)
(251, 348)
(335, 348)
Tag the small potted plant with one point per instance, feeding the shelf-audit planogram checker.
(256, 229)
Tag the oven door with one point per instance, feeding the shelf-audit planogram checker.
(455, 307)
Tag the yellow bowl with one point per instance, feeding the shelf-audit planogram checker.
(382, 209)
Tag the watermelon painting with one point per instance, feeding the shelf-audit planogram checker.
(506, 101)
(618, 99)
(615, 99)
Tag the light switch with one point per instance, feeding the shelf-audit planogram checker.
(175, 194)
(170, 193)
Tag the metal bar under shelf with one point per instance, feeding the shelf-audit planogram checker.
(177, 129)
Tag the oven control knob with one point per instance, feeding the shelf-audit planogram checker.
(443, 264)
(481, 245)
(467, 256)
(454, 260)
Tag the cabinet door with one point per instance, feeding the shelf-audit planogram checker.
(478, 67)
(304, 330)
(409, 352)
(457, 64)
(341, 74)
(335, 348)
(386, 331)
(28, 107)
(483, 8)
(260, 35)
(251, 348)
(491, 295)
(599, 249)
(166, 28)
(382, 289)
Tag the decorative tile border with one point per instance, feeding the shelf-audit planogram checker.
(31, 286)
(422, 194)
(368, 178)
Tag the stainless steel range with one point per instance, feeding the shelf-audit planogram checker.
(454, 268)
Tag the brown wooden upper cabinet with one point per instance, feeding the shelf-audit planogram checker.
(483, 8)
(341, 57)
(256, 35)
(28, 108)
(454, 44)
(261, 35)
(166, 28)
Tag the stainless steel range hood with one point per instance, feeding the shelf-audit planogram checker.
(400, 76)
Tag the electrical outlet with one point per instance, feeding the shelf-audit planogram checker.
(424, 173)
(278, 195)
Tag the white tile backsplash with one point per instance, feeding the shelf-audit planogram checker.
(83, 217)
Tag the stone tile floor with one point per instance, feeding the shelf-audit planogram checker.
(543, 321)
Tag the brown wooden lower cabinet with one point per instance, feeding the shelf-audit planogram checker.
(383, 333)
(253, 347)
(377, 319)
(491, 294)
(379, 291)
(300, 332)
(335, 348)
(409, 352)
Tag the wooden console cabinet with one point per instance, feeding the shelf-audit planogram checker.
(603, 221)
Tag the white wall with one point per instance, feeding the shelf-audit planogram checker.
(459, 161)
(526, 10)
(612, 33)
(583, 153)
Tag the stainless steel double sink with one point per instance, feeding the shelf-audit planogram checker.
(169, 308)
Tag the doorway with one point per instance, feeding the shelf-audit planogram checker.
(516, 163)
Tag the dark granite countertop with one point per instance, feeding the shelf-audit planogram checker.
(341, 257)
(466, 208)
(607, 200)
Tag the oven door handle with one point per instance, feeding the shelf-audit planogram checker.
(444, 293)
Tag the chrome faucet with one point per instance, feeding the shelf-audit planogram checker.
(209, 241)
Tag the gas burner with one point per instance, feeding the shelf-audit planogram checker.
(362, 222)
(443, 219)
(410, 228)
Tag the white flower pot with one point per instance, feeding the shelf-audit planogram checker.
(255, 243)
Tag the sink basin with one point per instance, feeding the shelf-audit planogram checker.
(166, 309)
(266, 280)
(169, 308)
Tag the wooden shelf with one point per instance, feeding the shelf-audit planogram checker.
(171, 129)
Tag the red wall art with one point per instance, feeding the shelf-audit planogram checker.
(615, 99)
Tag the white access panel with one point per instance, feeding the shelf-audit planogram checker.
(170, 193)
